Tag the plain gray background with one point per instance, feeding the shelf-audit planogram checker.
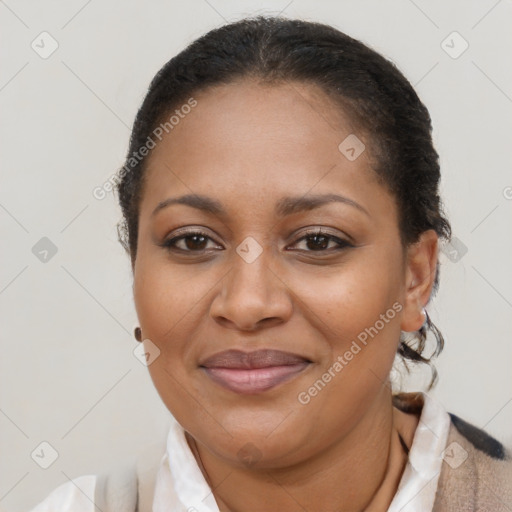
(67, 372)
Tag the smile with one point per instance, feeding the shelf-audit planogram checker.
(253, 372)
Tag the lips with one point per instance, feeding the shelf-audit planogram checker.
(253, 372)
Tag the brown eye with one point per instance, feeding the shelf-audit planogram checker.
(320, 241)
(193, 241)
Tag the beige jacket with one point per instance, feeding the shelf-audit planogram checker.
(482, 482)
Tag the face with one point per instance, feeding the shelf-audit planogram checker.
(314, 318)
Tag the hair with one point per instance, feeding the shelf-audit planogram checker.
(369, 88)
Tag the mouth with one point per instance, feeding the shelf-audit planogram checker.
(253, 372)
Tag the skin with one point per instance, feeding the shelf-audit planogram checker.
(247, 145)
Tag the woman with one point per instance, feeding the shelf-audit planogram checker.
(282, 216)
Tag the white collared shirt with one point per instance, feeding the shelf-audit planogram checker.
(181, 487)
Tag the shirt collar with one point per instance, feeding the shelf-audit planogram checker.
(418, 485)
(181, 485)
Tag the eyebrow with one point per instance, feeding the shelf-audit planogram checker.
(285, 206)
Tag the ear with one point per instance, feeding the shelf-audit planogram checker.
(420, 273)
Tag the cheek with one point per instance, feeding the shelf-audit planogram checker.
(356, 312)
(347, 302)
(169, 304)
(357, 315)
(166, 297)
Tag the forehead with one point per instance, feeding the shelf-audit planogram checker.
(263, 140)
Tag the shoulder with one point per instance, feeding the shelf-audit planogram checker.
(480, 439)
(125, 487)
(476, 472)
(116, 491)
(77, 495)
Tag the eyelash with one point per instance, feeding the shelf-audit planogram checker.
(343, 244)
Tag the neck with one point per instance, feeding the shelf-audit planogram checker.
(359, 472)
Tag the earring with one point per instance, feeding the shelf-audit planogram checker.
(424, 311)
(137, 333)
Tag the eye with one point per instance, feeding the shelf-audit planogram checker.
(191, 241)
(196, 241)
(318, 241)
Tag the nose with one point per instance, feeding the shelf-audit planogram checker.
(252, 295)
